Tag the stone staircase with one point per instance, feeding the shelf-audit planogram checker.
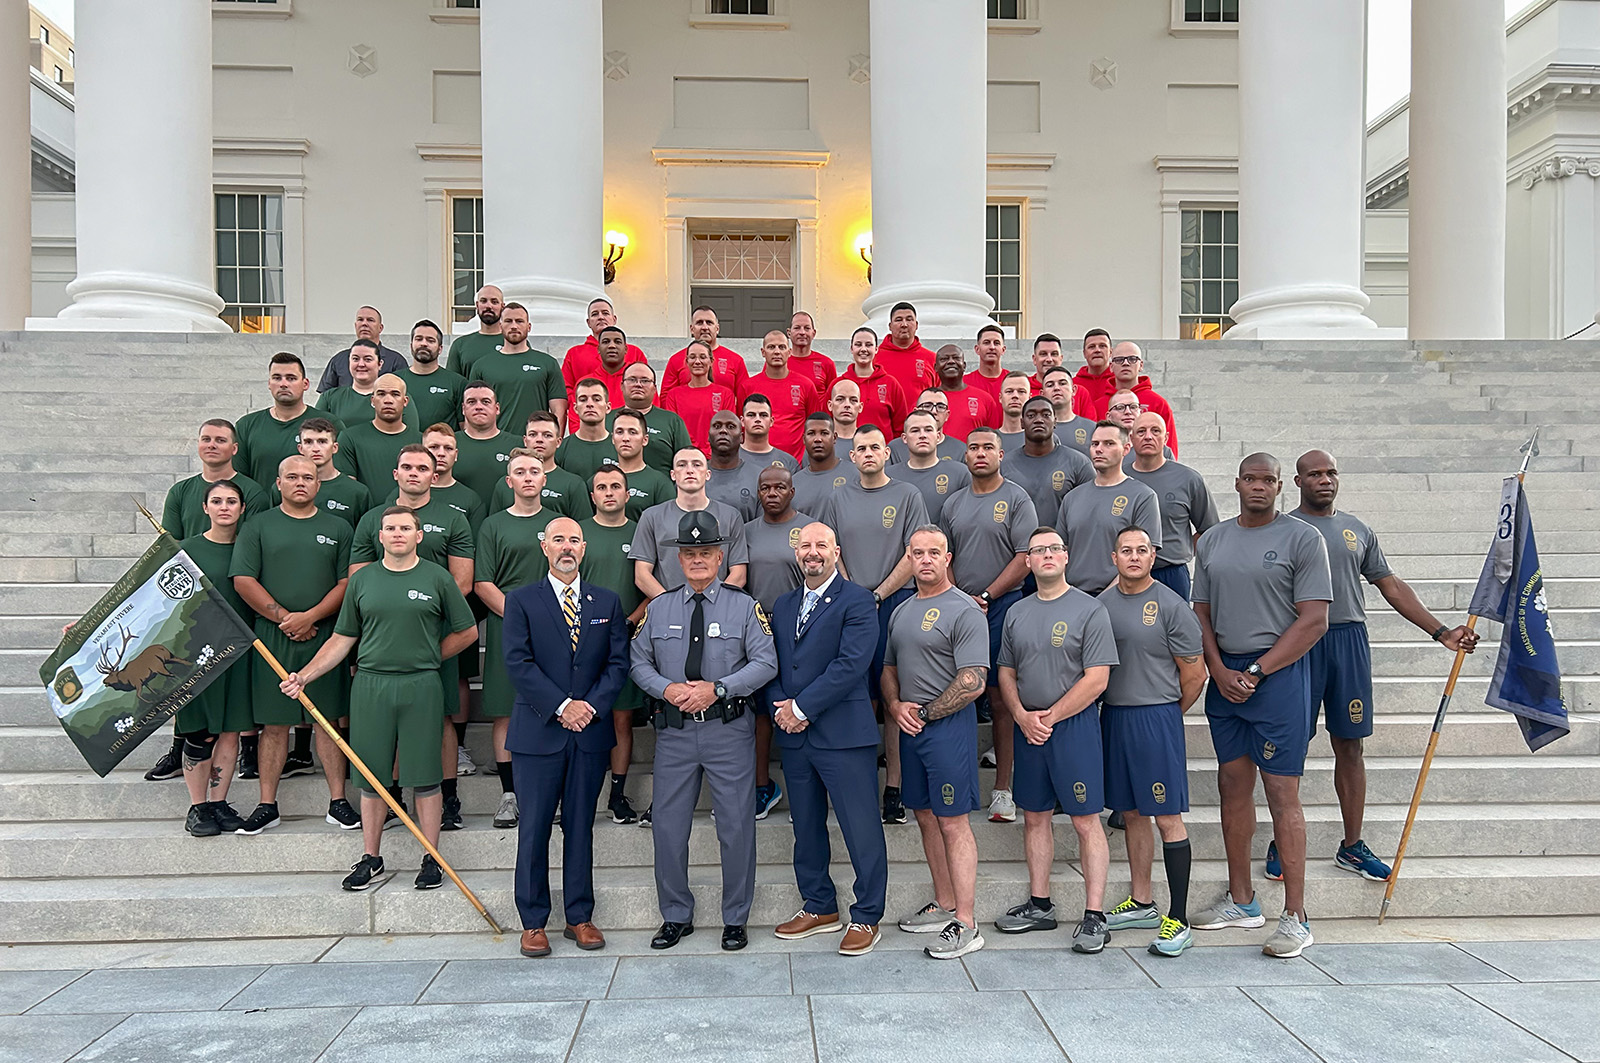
(1423, 437)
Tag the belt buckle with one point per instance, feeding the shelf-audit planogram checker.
(697, 717)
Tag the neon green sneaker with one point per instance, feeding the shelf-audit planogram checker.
(1131, 915)
(1172, 939)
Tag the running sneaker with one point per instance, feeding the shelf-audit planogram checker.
(1229, 912)
(298, 764)
(1274, 869)
(429, 877)
(1172, 939)
(893, 810)
(644, 817)
(170, 766)
(1116, 821)
(988, 760)
(929, 919)
(200, 823)
(506, 816)
(362, 872)
(1360, 860)
(227, 817)
(391, 820)
(264, 817)
(956, 939)
(1131, 915)
(450, 815)
(767, 798)
(464, 765)
(1025, 917)
(621, 810)
(1002, 808)
(1091, 935)
(342, 815)
(1292, 937)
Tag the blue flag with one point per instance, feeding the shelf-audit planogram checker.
(1510, 591)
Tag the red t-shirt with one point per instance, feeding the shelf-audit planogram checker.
(990, 384)
(583, 361)
(697, 406)
(817, 368)
(1092, 393)
(883, 400)
(793, 398)
(727, 369)
(912, 366)
(970, 408)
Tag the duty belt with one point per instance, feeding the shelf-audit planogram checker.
(664, 714)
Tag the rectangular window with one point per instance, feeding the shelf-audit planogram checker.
(44, 34)
(742, 256)
(1007, 9)
(466, 4)
(1203, 10)
(60, 75)
(738, 7)
(1209, 272)
(466, 255)
(250, 260)
(72, 56)
(1003, 262)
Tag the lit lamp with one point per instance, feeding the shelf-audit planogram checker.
(864, 249)
(616, 244)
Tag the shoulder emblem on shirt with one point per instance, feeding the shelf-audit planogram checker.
(888, 516)
(1118, 505)
(761, 618)
(1000, 509)
(1350, 539)
(1081, 435)
(930, 618)
(1058, 479)
(1058, 634)
(1151, 611)
(941, 483)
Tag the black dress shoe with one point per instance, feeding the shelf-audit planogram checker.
(733, 938)
(669, 934)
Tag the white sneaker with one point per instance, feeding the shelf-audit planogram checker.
(954, 941)
(1002, 809)
(1290, 939)
(464, 765)
(987, 760)
(506, 816)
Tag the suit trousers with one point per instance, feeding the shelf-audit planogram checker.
(723, 754)
(570, 780)
(850, 778)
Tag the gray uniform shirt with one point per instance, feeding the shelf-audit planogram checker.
(1050, 643)
(874, 525)
(1010, 441)
(771, 457)
(1076, 433)
(773, 570)
(736, 487)
(738, 649)
(1252, 578)
(986, 532)
(1152, 627)
(1187, 508)
(947, 450)
(656, 540)
(937, 482)
(1353, 553)
(1047, 478)
(931, 639)
(811, 489)
(1092, 516)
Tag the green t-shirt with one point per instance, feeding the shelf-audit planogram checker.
(583, 458)
(646, 488)
(445, 534)
(459, 497)
(401, 617)
(435, 396)
(527, 381)
(481, 463)
(509, 551)
(296, 560)
(215, 559)
(466, 349)
(563, 492)
(184, 513)
(667, 435)
(345, 497)
(370, 455)
(346, 405)
(264, 441)
(607, 561)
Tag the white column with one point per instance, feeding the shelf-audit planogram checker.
(930, 61)
(543, 157)
(1456, 219)
(1301, 132)
(144, 201)
(16, 167)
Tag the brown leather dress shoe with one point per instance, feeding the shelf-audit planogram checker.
(587, 935)
(805, 923)
(535, 943)
(859, 939)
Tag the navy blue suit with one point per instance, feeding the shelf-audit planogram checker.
(823, 668)
(552, 767)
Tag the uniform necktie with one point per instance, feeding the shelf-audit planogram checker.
(805, 612)
(569, 607)
(697, 639)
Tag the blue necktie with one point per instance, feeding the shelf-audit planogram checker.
(805, 612)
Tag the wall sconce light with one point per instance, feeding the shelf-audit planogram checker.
(864, 249)
(616, 244)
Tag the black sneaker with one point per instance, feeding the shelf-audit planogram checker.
(644, 817)
(227, 817)
(392, 820)
(263, 817)
(450, 818)
(342, 815)
(200, 822)
(361, 872)
(247, 765)
(170, 766)
(893, 810)
(1116, 821)
(298, 764)
(430, 877)
(622, 810)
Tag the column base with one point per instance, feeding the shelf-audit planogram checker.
(946, 310)
(135, 302)
(556, 307)
(1305, 311)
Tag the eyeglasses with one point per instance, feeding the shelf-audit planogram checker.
(1125, 359)
(929, 407)
(1045, 551)
(1127, 406)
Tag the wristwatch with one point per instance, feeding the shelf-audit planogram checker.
(1254, 671)
(877, 599)
(922, 713)
(720, 690)
(1437, 635)
(984, 598)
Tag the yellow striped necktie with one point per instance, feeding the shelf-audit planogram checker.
(569, 607)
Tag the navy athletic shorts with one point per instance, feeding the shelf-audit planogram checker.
(1341, 681)
(1069, 769)
(885, 610)
(1272, 728)
(1174, 576)
(939, 767)
(1147, 768)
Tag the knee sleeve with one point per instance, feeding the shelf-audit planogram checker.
(425, 791)
(197, 746)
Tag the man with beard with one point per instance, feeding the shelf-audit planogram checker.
(970, 407)
(525, 380)
(468, 348)
(435, 391)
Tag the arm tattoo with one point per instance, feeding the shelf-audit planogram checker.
(1189, 660)
(967, 685)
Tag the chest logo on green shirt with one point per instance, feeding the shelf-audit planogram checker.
(418, 596)
(532, 368)
(1000, 509)
(1119, 504)
(1151, 611)
(432, 528)
(1350, 539)
(1058, 634)
(324, 540)
(930, 618)
(332, 504)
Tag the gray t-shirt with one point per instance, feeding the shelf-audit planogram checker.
(947, 450)
(986, 532)
(1187, 509)
(1152, 627)
(931, 639)
(771, 457)
(1090, 520)
(1076, 434)
(1252, 578)
(842, 448)
(937, 482)
(1047, 478)
(1050, 643)
(1353, 553)
(1010, 441)
(874, 526)
(773, 570)
(736, 487)
(811, 489)
(655, 540)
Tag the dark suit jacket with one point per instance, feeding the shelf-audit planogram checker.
(825, 669)
(545, 671)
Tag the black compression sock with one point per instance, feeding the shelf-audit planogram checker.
(398, 795)
(1042, 903)
(1175, 856)
(619, 784)
(504, 768)
(302, 741)
(448, 788)
(461, 733)
(177, 745)
(247, 744)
